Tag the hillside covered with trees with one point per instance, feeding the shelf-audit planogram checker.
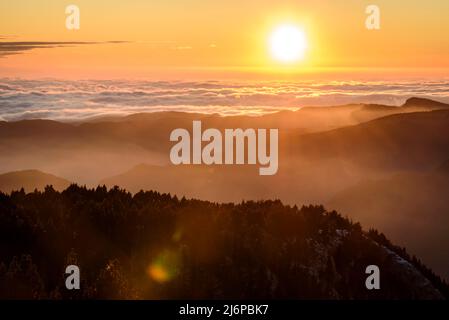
(155, 246)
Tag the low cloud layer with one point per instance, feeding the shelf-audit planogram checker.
(79, 100)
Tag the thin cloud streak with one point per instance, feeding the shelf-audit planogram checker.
(16, 47)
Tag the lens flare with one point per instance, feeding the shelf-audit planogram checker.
(164, 267)
(158, 273)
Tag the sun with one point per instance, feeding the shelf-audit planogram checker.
(288, 43)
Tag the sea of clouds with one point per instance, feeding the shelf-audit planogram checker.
(79, 100)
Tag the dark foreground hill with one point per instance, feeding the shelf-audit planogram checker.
(155, 246)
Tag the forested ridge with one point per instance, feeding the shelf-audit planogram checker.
(157, 246)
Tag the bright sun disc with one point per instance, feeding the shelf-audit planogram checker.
(288, 43)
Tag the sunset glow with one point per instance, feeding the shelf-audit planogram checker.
(163, 40)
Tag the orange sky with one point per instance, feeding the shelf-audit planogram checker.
(183, 38)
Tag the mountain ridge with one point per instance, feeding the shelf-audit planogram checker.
(29, 180)
(424, 102)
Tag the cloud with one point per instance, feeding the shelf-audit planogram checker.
(77, 100)
(2, 36)
(183, 48)
(16, 47)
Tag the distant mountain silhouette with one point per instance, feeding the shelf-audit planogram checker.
(30, 180)
(425, 103)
